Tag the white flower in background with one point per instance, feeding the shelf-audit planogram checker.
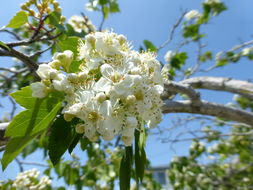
(81, 23)
(169, 55)
(39, 90)
(28, 180)
(193, 14)
(218, 56)
(247, 51)
(212, 1)
(115, 90)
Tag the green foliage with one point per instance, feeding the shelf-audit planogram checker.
(61, 137)
(38, 116)
(126, 168)
(178, 60)
(140, 154)
(18, 20)
(150, 46)
(30, 123)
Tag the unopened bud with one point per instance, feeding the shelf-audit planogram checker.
(91, 40)
(100, 97)
(131, 99)
(80, 128)
(55, 64)
(68, 117)
(31, 12)
(82, 76)
(122, 39)
(62, 19)
(72, 77)
(24, 7)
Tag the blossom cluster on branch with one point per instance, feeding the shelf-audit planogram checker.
(29, 180)
(115, 91)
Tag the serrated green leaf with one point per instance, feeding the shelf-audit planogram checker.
(38, 116)
(125, 169)
(150, 46)
(18, 20)
(14, 147)
(60, 139)
(71, 43)
(4, 45)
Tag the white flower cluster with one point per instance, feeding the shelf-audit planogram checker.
(169, 55)
(193, 14)
(28, 180)
(115, 90)
(81, 23)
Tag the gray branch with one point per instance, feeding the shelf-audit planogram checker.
(211, 109)
(242, 88)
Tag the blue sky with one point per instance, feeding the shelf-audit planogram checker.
(152, 20)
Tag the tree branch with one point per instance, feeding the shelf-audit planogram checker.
(208, 108)
(242, 88)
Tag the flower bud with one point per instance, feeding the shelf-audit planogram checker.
(122, 39)
(91, 40)
(100, 97)
(131, 99)
(55, 64)
(72, 77)
(80, 128)
(62, 19)
(24, 6)
(32, 13)
(82, 76)
(68, 117)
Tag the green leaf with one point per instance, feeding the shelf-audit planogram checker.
(105, 11)
(74, 142)
(60, 139)
(114, 7)
(125, 169)
(14, 147)
(18, 20)
(38, 116)
(150, 46)
(54, 19)
(4, 45)
(71, 43)
(179, 60)
(84, 142)
(140, 154)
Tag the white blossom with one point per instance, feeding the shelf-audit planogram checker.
(169, 55)
(115, 90)
(193, 14)
(39, 90)
(28, 180)
(80, 23)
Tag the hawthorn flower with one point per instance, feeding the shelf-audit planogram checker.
(39, 90)
(29, 180)
(193, 14)
(169, 55)
(115, 90)
(81, 23)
